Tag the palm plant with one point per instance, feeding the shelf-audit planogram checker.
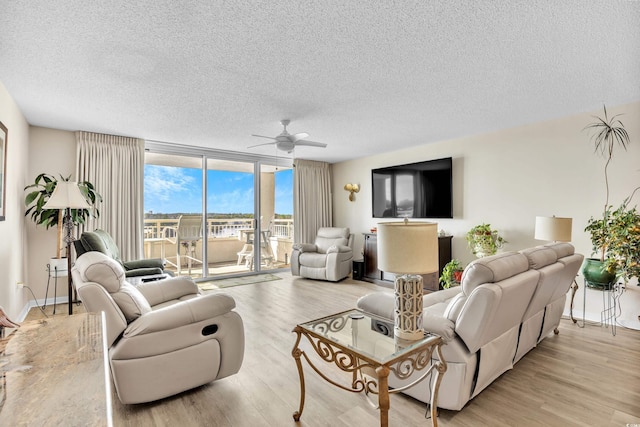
(607, 134)
(40, 192)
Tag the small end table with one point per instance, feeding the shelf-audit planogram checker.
(353, 341)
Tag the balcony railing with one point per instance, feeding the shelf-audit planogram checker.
(155, 228)
(226, 240)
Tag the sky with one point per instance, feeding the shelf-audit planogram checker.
(169, 189)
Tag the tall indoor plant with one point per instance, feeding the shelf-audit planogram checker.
(608, 135)
(39, 193)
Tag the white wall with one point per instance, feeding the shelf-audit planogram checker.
(509, 177)
(13, 247)
(52, 152)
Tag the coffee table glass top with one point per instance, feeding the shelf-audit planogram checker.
(371, 336)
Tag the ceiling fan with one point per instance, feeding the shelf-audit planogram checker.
(287, 142)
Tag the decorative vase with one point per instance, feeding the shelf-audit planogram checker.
(596, 275)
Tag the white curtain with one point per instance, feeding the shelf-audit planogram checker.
(312, 206)
(115, 166)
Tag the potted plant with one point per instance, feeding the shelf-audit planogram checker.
(483, 241)
(608, 133)
(451, 274)
(39, 193)
(617, 235)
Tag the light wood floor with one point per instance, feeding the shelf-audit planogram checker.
(581, 377)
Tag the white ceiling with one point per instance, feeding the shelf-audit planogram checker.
(362, 76)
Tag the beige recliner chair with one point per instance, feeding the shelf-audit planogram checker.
(329, 258)
(163, 337)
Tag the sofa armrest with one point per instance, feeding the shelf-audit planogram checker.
(137, 272)
(338, 249)
(144, 263)
(438, 325)
(381, 304)
(440, 296)
(305, 247)
(181, 314)
(159, 291)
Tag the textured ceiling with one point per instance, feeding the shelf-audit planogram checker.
(362, 76)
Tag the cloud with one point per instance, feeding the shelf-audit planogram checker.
(168, 186)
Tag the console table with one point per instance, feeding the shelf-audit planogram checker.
(430, 281)
(55, 372)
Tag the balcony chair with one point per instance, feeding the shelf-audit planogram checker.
(329, 258)
(101, 241)
(267, 256)
(185, 235)
(163, 337)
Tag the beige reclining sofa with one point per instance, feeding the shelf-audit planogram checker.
(505, 305)
(163, 337)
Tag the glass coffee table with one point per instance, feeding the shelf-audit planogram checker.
(364, 346)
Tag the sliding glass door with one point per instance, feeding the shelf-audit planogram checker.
(244, 206)
(173, 219)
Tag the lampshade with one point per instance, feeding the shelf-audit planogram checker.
(553, 228)
(408, 247)
(66, 194)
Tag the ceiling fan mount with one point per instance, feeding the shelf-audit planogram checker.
(286, 141)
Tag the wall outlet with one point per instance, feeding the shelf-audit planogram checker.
(20, 285)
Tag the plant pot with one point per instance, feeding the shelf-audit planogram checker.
(595, 274)
(58, 267)
(482, 251)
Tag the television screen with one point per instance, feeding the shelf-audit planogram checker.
(416, 190)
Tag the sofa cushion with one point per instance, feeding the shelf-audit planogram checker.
(324, 243)
(330, 236)
(101, 241)
(99, 268)
(540, 256)
(493, 269)
(131, 302)
(313, 259)
(562, 249)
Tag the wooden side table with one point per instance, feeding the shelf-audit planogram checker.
(351, 341)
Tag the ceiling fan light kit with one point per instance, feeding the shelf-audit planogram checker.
(287, 142)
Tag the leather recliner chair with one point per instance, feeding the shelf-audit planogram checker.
(328, 258)
(163, 337)
(101, 241)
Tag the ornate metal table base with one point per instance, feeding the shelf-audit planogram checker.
(368, 375)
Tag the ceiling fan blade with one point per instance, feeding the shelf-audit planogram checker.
(262, 136)
(298, 136)
(260, 145)
(311, 143)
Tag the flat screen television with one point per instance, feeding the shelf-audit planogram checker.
(415, 190)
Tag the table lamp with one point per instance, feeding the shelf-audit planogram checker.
(408, 249)
(66, 195)
(553, 228)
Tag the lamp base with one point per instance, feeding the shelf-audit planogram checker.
(408, 310)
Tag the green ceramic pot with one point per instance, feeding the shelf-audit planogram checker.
(595, 275)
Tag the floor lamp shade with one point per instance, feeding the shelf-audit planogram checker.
(408, 249)
(553, 228)
(67, 195)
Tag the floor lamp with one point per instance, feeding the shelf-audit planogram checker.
(66, 195)
(408, 249)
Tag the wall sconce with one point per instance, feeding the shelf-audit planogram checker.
(352, 188)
